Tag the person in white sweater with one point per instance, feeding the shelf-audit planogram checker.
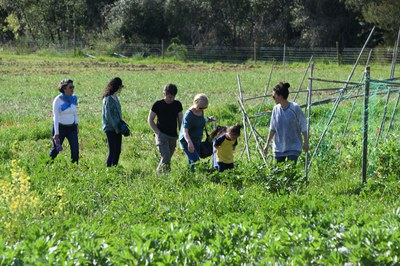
(288, 127)
(65, 120)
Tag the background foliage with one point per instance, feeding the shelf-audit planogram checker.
(304, 23)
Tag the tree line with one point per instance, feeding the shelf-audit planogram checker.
(300, 23)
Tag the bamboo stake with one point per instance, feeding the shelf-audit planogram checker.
(338, 100)
(300, 91)
(302, 80)
(338, 81)
(309, 117)
(251, 128)
(383, 118)
(391, 76)
(266, 89)
(355, 100)
(325, 101)
(244, 119)
(284, 61)
(394, 58)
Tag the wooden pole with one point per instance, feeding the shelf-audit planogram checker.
(304, 76)
(266, 89)
(354, 102)
(391, 76)
(255, 52)
(259, 148)
(337, 81)
(383, 117)
(309, 101)
(162, 48)
(365, 138)
(284, 61)
(338, 53)
(244, 119)
(394, 57)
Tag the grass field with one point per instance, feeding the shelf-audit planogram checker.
(257, 214)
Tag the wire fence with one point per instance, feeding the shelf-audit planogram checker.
(255, 54)
(227, 53)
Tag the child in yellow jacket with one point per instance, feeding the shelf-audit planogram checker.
(225, 145)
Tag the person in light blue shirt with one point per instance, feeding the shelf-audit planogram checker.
(288, 127)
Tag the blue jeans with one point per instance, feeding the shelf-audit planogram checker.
(71, 133)
(114, 141)
(289, 158)
(192, 157)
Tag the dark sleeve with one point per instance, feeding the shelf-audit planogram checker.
(179, 106)
(154, 108)
(219, 140)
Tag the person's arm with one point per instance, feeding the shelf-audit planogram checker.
(219, 141)
(272, 131)
(270, 137)
(76, 120)
(150, 120)
(303, 126)
(235, 145)
(188, 140)
(180, 117)
(56, 119)
(111, 111)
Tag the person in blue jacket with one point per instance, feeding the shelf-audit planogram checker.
(111, 118)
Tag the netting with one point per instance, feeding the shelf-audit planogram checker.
(341, 120)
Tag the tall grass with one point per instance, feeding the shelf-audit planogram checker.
(256, 214)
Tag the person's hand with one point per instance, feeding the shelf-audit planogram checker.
(191, 147)
(211, 119)
(56, 138)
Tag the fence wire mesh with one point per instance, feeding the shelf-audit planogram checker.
(221, 53)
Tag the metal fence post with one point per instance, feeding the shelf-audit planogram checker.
(365, 137)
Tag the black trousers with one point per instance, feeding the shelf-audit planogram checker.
(114, 141)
